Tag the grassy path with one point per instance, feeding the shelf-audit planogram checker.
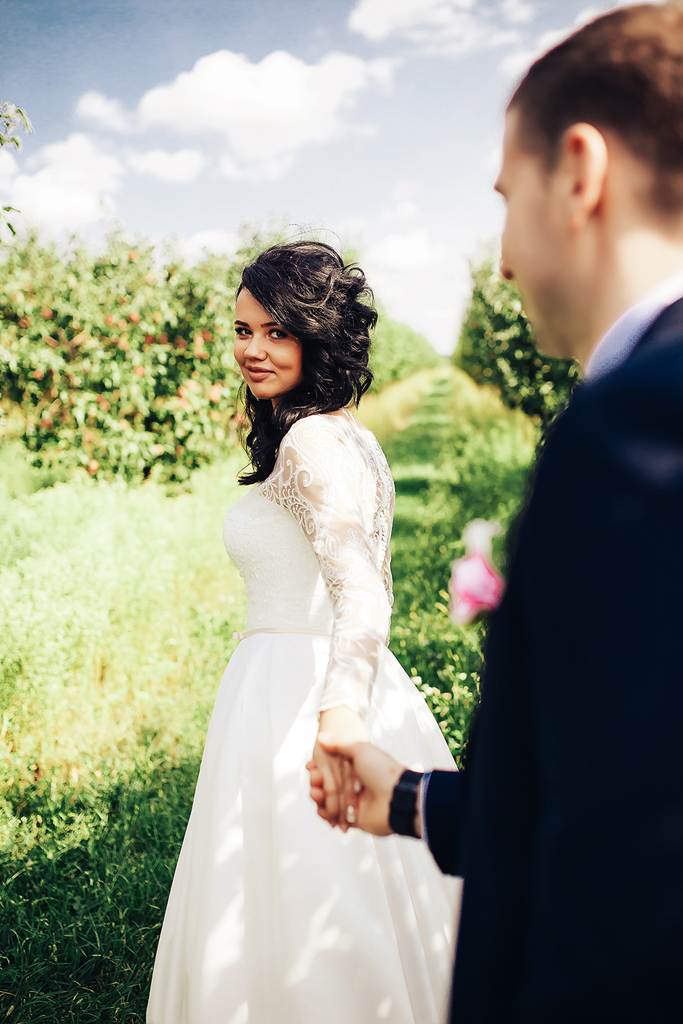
(127, 605)
(462, 456)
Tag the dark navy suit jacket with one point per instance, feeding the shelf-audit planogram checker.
(567, 823)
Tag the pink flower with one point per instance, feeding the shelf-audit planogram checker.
(476, 586)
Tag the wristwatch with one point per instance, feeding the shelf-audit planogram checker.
(403, 806)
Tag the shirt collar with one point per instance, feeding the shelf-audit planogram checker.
(617, 344)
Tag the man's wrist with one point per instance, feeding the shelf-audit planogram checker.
(404, 809)
(419, 804)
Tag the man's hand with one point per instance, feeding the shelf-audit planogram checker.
(376, 772)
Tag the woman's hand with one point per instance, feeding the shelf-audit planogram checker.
(378, 774)
(339, 784)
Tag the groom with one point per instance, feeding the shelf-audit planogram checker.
(567, 823)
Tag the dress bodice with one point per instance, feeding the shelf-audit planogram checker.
(312, 546)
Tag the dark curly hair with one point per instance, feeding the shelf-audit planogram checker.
(306, 288)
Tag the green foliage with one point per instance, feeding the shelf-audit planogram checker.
(11, 119)
(114, 365)
(118, 606)
(463, 456)
(397, 352)
(118, 367)
(496, 347)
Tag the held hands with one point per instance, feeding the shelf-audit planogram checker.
(333, 774)
(366, 785)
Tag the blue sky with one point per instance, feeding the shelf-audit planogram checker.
(376, 121)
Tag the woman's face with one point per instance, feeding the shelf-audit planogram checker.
(269, 357)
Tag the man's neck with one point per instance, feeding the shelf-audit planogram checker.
(642, 260)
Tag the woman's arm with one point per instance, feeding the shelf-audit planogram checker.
(320, 481)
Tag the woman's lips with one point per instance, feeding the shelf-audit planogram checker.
(257, 374)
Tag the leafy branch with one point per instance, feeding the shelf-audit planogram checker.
(12, 119)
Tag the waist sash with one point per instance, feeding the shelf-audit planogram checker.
(313, 630)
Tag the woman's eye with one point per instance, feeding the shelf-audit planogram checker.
(241, 332)
(278, 335)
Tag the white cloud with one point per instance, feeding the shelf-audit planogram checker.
(216, 241)
(517, 12)
(93, 106)
(72, 189)
(403, 251)
(8, 168)
(405, 189)
(182, 166)
(406, 209)
(447, 26)
(267, 111)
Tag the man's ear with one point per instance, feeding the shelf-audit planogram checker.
(582, 170)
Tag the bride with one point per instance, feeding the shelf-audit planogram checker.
(273, 917)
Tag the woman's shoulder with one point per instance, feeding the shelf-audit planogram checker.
(332, 433)
(318, 426)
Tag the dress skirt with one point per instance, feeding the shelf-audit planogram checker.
(273, 916)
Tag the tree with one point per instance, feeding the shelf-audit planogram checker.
(496, 347)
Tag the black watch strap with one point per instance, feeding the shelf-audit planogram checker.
(403, 806)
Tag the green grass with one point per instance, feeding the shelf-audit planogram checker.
(463, 456)
(119, 606)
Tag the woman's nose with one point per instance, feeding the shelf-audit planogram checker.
(255, 349)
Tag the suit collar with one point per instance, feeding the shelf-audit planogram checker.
(667, 328)
(625, 335)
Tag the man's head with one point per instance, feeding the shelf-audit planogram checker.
(593, 161)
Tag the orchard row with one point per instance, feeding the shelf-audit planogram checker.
(114, 364)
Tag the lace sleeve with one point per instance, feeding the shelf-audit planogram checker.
(323, 481)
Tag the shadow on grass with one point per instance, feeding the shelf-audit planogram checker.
(83, 894)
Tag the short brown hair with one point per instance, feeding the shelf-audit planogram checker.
(622, 73)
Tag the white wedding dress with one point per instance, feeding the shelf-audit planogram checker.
(274, 917)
